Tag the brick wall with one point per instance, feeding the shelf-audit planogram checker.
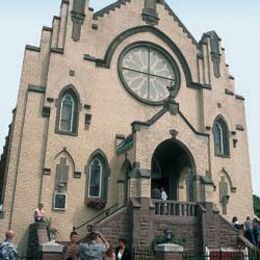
(118, 225)
(139, 225)
(216, 231)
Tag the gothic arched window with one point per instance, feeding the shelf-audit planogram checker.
(221, 137)
(67, 114)
(95, 178)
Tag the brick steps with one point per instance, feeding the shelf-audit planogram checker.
(139, 225)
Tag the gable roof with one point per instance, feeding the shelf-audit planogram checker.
(109, 8)
(119, 3)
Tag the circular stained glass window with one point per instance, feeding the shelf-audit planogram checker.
(146, 71)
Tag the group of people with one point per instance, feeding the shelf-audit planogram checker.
(95, 247)
(251, 229)
(159, 194)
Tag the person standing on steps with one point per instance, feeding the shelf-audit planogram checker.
(249, 234)
(164, 196)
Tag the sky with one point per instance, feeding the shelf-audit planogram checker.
(237, 22)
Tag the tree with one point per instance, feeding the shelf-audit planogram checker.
(256, 205)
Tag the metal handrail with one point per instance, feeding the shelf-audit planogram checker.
(106, 212)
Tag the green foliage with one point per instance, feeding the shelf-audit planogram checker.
(256, 205)
(52, 231)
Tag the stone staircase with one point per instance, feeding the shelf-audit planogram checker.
(196, 226)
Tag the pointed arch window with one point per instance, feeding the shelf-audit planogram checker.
(67, 114)
(95, 178)
(221, 137)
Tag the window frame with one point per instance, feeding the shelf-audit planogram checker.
(165, 54)
(220, 128)
(72, 112)
(98, 153)
(70, 89)
(66, 201)
(101, 182)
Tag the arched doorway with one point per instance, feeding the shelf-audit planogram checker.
(123, 182)
(173, 168)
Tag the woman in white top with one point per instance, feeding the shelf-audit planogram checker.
(39, 213)
(164, 195)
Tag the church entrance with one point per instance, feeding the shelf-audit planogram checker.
(173, 169)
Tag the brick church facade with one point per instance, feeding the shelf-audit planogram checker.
(114, 104)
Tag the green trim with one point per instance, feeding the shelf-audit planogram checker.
(46, 28)
(229, 92)
(37, 89)
(125, 145)
(191, 126)
(89, 58)
(32, 48)
(136, 125)
(205, 180)
(106, 61)
(56, 18)
(240, 97)
(46, 111)
(57, 50)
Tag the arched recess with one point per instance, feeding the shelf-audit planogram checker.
(68, 107)
(97, 173)
(123, 184)
(221, 137)
(177, 167)
(106, 61)
(64, 169)
(225, 189)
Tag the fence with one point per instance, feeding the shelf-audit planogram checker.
(213, 255)
(175, 208)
